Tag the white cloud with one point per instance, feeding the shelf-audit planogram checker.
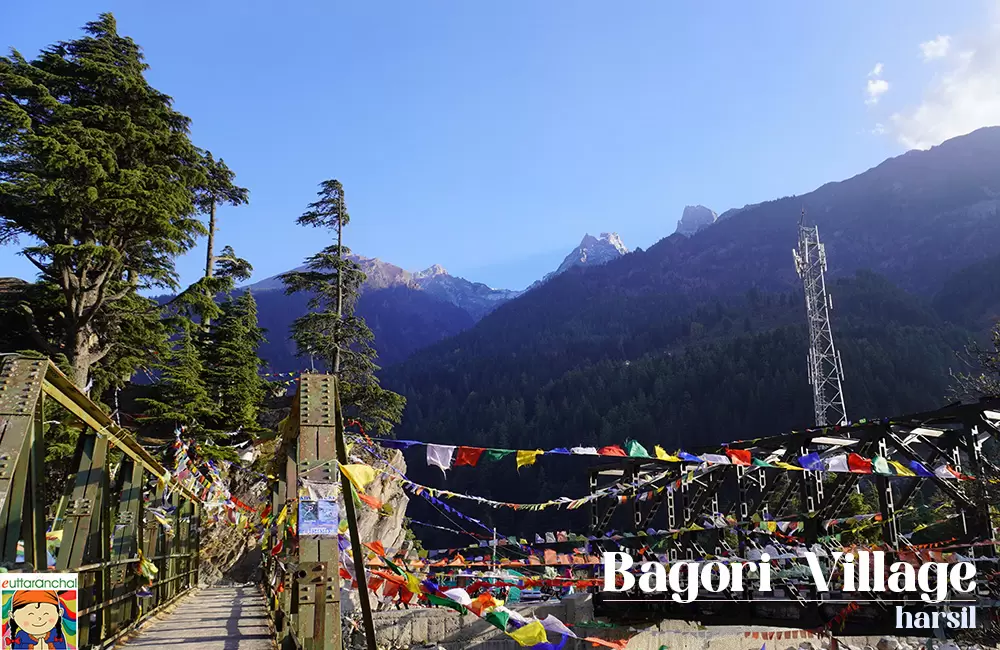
(876, 87)
(936, 48)
(879, 129)
(962, 99)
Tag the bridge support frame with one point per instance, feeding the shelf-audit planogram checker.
(100, 525)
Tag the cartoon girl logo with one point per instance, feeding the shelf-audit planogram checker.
(38, 620)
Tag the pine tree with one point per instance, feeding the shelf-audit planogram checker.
(331, 331)
(232, 365)
(98, 172)
(197, 303)
(181, 397)
(982, 375)
(219, 188)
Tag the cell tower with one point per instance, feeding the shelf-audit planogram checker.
(826, 372)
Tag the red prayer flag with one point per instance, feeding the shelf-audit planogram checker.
(619, 644)
(376, 548)
(739, 456)
(468, 456)
(858, 464)
(611, 450)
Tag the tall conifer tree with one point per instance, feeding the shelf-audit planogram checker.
(98, 171)
(181, 397)
(232, 367)
(332, 331)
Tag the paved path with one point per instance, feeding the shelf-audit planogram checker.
(217, 618)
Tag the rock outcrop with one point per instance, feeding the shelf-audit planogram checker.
(386, 526)
(593, 251)
(694, 218)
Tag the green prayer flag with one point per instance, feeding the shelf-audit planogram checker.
(395, 568)
(880, 466)
(497, 454)
(441, 601)
(499, 619)
(761, 463)
(635, 450)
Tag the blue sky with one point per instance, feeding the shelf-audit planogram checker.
(490, 136)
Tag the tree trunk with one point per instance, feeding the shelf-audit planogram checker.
(340, 281)
(78, 355)
(210, 256)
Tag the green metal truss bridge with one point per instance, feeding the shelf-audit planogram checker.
(138, 585)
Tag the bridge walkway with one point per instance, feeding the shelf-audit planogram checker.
(216, 618)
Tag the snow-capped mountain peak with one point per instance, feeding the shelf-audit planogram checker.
(430, 272)
(593, 251)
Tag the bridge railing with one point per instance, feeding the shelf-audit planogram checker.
(100, 524)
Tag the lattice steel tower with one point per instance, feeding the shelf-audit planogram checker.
(826, 372)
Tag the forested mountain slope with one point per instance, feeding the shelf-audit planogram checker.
(703, 339)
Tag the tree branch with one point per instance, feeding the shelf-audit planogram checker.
(104, 277)
(36, 334)
(97, 356)
(45, 270)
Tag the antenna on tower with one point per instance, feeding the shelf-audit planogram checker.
(826, 372)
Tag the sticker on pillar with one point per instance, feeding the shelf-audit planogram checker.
(319, 517)
(38, 610)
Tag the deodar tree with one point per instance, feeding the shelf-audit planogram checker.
(99, 177)
(332, 331)
(232, 367)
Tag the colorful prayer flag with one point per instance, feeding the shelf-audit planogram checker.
(526, 457)
(739, 456)
(468, 456)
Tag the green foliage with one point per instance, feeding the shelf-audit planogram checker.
(219, 186)
(331, 331)
(137, 336)
(98, 171)
(981, 377)
(868, 532)
(232, 367)
(549, 382)
(330, 210)
(181, 395)
(198, 302)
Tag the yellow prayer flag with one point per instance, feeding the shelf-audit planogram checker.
(531, 634)
(526, 457)
(359, 474)
(783, 465)
(901, 469)
(663, 455)
(282, 515)
(413, 583)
